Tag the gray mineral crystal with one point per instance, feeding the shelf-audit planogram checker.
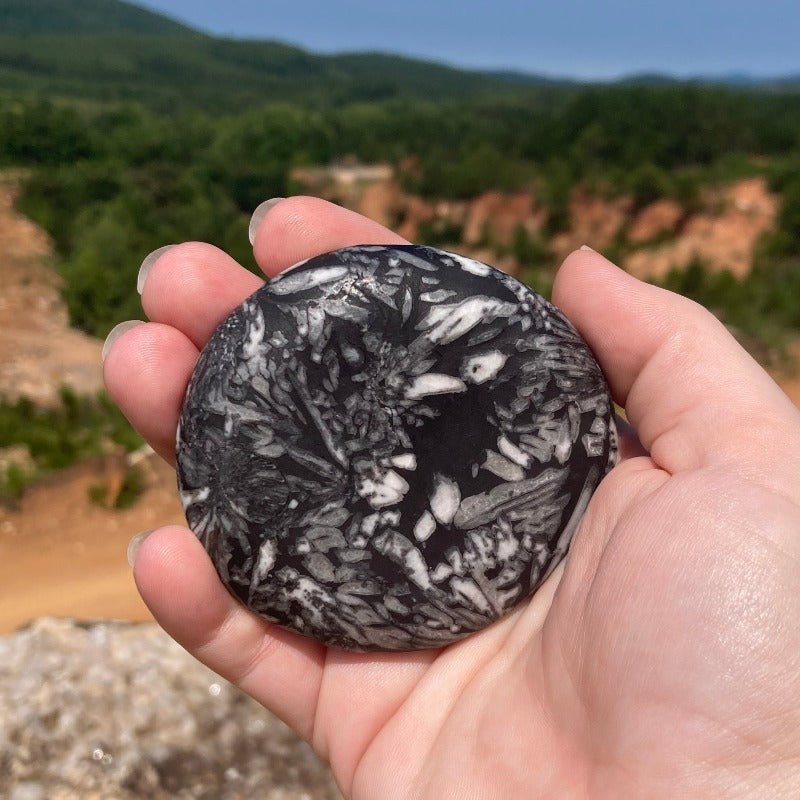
(390, 447)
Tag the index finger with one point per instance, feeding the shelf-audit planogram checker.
(297, 228)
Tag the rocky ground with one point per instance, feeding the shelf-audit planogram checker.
(117, 711)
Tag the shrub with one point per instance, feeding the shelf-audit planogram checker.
(79, 428)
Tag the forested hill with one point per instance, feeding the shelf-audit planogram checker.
(106, 50)
(37, 17)
(99, 51)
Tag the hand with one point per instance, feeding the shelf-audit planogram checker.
(662, 661)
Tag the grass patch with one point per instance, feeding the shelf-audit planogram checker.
(79, 428)
(439, 232)
(128, 493)
(13, 480)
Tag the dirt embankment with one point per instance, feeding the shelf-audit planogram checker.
(39, 352)
(722, 233)
(723, 236)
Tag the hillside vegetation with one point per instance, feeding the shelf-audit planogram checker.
(34, 17)
(113, 182)
(102, 51)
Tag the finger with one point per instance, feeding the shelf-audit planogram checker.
(146, 372)
(301, 227)
(689, 389)
(280, 669)
(193, 287)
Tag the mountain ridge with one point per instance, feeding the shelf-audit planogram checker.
(102, 51)
(38, 17)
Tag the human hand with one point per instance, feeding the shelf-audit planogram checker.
(663, 658)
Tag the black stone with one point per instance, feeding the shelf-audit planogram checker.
(387, 448)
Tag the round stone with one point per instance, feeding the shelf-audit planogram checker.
(388, 448)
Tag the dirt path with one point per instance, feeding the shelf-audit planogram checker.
(62, 555)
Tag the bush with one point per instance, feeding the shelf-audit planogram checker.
(132, 487)
(81, 427)
(762, 305)
(439, 232)
(648, 183)
(529, 250)
(786, 240)
(469, 171)
(13, 480)
(129, 491)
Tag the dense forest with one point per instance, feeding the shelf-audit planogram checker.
(113, 182)
(98, 51)
(134, 131)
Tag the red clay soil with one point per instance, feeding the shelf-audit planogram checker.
(39, 352)
(62, 555)
(722, 236)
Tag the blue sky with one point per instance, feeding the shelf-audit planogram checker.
(583, 38)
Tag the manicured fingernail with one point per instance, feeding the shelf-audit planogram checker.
(586, 247)
(148, 264)
(115, 333)
(258, 216)
(135, 544)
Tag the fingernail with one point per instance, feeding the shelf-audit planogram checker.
(115, 333)
(586, 247)
(134, 545)
(258, 216)
(148, 264)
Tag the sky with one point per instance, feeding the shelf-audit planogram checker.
(595, 39)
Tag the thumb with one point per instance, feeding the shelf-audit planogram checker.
(694, 395)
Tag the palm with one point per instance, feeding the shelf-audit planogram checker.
(657, 663)
(669, 628)
(645, 669)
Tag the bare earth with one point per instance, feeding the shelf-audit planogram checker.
(60, 554)
(39, 352)
(723, 237)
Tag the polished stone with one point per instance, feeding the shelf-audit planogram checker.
(391, 447)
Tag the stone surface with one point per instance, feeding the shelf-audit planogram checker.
(118, 710)
(389, 448)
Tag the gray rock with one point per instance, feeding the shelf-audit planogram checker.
(117, 710)
(388, 448)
